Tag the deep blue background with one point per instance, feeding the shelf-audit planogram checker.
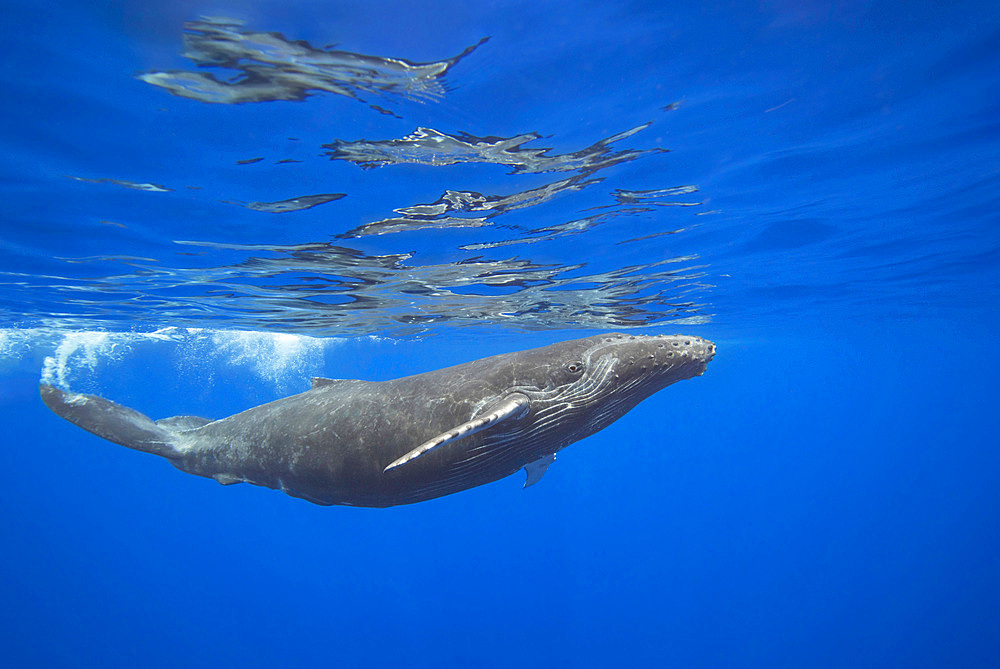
(825, 495)
(810, 501)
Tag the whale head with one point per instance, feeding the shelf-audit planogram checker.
(590, 383)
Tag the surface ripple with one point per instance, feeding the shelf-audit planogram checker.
(363, 263)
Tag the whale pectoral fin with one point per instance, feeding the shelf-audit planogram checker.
(536, 470)
(512, 407)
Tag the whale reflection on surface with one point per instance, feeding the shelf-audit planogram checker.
(347, 259)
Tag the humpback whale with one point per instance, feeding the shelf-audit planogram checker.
(384, 443)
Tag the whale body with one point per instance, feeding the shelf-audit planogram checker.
(384, 443)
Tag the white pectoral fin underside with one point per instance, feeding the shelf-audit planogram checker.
(536, 470)
(510, 408)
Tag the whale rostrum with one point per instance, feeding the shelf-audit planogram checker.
(383, 443)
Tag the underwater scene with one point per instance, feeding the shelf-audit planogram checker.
(502, 333)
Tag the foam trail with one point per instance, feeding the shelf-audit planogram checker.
(279, 359)
(76, 345)
(74, 358)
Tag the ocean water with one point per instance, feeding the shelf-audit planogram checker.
(206, 203)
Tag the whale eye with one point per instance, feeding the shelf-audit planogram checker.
(574, 367)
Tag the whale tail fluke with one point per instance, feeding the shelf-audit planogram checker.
(111, 421)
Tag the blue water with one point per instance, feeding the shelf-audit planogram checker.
(814, 188)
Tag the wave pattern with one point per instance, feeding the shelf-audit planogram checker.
(295, 203)
(270, 67)
(468, 209)
(426, 146)
(394, 278)
(327, 289)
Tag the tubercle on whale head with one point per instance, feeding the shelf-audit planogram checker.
(639, 365)
(649, 353)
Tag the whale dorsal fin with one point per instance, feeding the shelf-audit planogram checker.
(183, 422)
(512, 407)
(319, 381)
(536, 470)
